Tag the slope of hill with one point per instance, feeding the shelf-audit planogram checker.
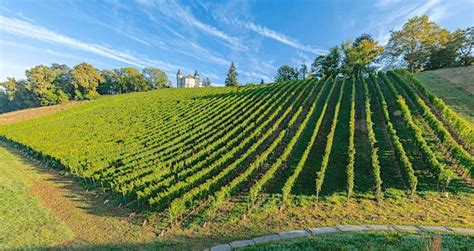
(455, 86)
(186, 152)
(32, 113)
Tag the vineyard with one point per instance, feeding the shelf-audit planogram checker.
(183, 151)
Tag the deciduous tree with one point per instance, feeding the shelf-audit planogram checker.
(286, 73)
(84, 80)
(41, 79)
(130, 79)
(156, 77)
(415, 41)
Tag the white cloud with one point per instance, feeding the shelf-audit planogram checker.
(266, 32)
(17, 69)
(179, 13)
(29, 30)
(386, 3)
(392, 14)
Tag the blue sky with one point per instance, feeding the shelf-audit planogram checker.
(259, 36)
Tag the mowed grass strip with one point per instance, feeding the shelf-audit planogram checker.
(455, 86)
(24, 221)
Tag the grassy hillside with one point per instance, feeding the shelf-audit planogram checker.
(189, 152)
(455, 86)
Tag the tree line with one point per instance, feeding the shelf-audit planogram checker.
(420, 45)
(59, 83)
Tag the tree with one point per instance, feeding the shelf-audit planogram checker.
(359, 54)
(10, 88)
(446, 55)
(467, 43)
(262, 82)
(364, 36)
(17, 95)
(316, 66)
(206, 82)
(327, 65)
(41, 79)
(286, 73)
(231, 78)
(415, 41)
(303, 71)
(130, 79)
(84, 80)
(109, 83)
(156, 77)
(63, 79)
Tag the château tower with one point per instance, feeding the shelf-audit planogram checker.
(187, 81)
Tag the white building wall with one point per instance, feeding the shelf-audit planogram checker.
(188, 82)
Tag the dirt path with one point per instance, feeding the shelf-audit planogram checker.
(92, 222)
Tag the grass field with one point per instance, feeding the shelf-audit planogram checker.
(453, 85)
(212, 165)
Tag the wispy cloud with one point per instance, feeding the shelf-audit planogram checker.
(30, 30)
(12, 44)
(179, 13)
(395, 13)
(269, 33)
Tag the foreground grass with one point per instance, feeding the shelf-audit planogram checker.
(25, 222)
(372, 241)
(39, 208)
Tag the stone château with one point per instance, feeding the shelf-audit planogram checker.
(188, 81)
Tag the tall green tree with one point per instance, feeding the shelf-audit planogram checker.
(84, 81)
(416, 40)
(109, 83)
(130, 79)
(42, 80)
(358, 55)
(327, 65)
(63, 78)
(17, 95)
(316, 66)
(286, 73)
(303, 71)
(231, 78)
(456, 52)
(466, 57)
(206, 82)
(156, 77)
(262, 82)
